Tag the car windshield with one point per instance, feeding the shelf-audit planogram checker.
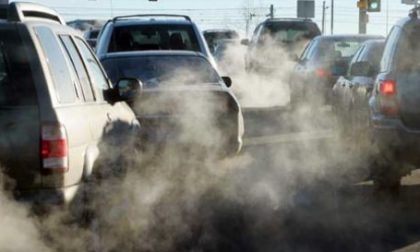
(288, 31)
(340, 49)
(153, 37)
(156, 70)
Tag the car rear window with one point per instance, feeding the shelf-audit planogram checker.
(153, 37)
(342, 49)
(289, 31)
(16, 83)
(156, 70)
(408, 53)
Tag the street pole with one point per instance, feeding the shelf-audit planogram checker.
(332, 17)
(272, 11)
(323, 17)
(362, 20)
(112, 12)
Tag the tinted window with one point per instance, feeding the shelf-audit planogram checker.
(57, 64)
(310, 50)
(372, 54)
(342, 49)
(408, 53)
(154, 70)
(288, 31)
(79, 68)
(97, 75)
(16, 84)
(389, 49)
(154, 37)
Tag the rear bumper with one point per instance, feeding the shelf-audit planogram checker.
(56, 196)
(394, 139)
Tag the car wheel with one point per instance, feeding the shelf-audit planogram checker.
(387, 179)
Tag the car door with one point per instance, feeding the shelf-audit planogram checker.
(69, 109)
(109, 117)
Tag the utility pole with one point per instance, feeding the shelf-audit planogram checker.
(332, 17)
(324, 8)
(271, 15)
(362, 21)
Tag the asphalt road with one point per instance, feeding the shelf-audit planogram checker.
(306, 203)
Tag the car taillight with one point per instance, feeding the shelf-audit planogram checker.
(388, 88)
(54, 148)
(322, 73)
(388, 101)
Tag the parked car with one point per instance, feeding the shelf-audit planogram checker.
(181, 86)
(395, 103)
(323, 61)
(54, 105)
(352, 91)
(151, 32)
(276, 40)
(214, 36)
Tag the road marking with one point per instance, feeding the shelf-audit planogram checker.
(291, 137)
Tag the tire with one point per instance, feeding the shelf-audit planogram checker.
(388, 179)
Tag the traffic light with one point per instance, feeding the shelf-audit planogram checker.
(373, 5)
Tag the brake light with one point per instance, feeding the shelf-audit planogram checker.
(388, 103)
(322, 73)
(388, 88)
(54, 148)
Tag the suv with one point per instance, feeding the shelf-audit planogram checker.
(395, 103)
(213, 37)
(151, 32)
(54, 108)
(275, 36)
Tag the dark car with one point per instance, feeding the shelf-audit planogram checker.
(395, 103)
(214, 36)
(184, 98)
(151, 32)
(352, 91)
(323, 61)
(54, 105)
(276, 40)
(91, 36)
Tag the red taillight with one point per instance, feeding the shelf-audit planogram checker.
(388, 101)
(54, 148)
(322, 73)
(388, 88)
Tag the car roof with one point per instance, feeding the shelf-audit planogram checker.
(150, 22)
(348, 36)
(218, 30)
(277, 20)
(152, 53)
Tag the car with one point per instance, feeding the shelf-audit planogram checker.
(183, 99)
(276, 40)
(395, 104)
(213, 36)
(226, 55)
(352, 91)
(151, 32)
(55, 105)
(323, 61)
(91, 35)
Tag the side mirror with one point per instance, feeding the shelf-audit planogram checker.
(227, 80)
(245, 42)
(361, 68)
(129, 88)
(339, 68)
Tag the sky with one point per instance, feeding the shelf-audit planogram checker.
(209, 14)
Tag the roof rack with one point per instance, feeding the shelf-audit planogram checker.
(414, 13)
(152, 15)
(22, 11)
